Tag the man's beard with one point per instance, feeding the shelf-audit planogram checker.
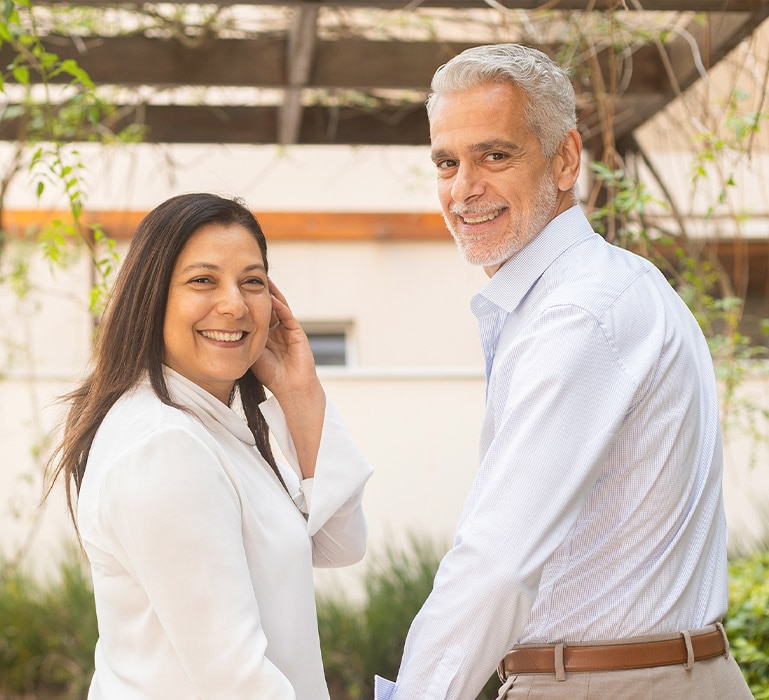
(493, 250)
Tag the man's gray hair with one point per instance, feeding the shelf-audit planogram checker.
(551, 109)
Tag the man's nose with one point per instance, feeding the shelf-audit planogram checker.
(468, 184)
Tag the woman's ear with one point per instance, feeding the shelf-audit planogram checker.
(568, 161)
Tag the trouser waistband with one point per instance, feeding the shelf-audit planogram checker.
(633, 653)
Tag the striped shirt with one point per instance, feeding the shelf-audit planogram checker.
(597, 510)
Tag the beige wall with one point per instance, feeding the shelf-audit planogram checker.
(413, 399)
(413, 396)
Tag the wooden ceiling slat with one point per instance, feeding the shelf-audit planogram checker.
(348, 63)
(600, 5)
(297, 61)
(259, 125)
(140, 60)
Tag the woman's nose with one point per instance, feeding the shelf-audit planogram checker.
(231, 301)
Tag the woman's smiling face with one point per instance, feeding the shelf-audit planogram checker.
(219, 308)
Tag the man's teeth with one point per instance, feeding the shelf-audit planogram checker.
(480, 219)
(222, 336)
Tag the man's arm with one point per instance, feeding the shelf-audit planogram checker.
(556, 399)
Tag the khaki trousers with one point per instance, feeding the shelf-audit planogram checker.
(718, 678)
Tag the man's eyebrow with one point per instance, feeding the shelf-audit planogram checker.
(439, 154)
(495, 145)
(480, 147)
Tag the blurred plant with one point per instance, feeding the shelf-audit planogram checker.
(359, 640)
(47, 632)
(47, 131)
(48, 629)
(747, 622)
(51, 104)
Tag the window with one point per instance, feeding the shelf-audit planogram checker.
(329, 347)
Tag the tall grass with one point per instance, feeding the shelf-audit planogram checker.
(48, 629)
(747, 622)
(359, 640)
(47, 633)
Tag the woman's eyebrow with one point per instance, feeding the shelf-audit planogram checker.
(212, 266)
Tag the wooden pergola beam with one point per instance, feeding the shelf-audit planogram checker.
(259, 125)
(300, 55)
(298, 62)
(266, 62)
(560, 5)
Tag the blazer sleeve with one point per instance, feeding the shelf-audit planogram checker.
(333, 498)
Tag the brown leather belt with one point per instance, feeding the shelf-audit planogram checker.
(612, 657)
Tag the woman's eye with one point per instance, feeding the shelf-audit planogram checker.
(200, 280)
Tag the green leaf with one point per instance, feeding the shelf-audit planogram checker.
(80, 76)
(21, 74)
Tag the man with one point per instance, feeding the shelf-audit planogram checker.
(596, 515)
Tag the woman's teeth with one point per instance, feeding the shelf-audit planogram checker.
(222, 336)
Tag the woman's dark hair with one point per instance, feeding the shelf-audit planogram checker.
(129, 343)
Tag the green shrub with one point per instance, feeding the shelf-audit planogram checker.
(747, 622)
(47, 632)
(361, 640)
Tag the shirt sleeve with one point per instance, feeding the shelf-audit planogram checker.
(557, 396)
(176, 519)
(333, 497)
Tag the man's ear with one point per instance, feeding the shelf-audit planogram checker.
(568, 161)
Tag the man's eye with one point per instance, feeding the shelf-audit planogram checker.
(445, 164)
(496, 156)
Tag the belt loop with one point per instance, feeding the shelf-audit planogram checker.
(689, 665)
(726, 639)
(560, 671)
(506, 686)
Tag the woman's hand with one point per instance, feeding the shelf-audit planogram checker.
(286, 368)
(286, 364)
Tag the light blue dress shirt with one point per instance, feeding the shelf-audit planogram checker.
(597, 510)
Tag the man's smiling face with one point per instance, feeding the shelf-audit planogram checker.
(496, 188)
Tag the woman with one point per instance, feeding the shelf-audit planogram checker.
(201, 546)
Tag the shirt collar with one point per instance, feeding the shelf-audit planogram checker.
(510, 284)
(215, 415)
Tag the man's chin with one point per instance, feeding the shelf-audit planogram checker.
(482, 258)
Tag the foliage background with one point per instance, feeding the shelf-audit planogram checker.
(48, 630)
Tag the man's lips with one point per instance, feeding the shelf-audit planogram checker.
(472, 218)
